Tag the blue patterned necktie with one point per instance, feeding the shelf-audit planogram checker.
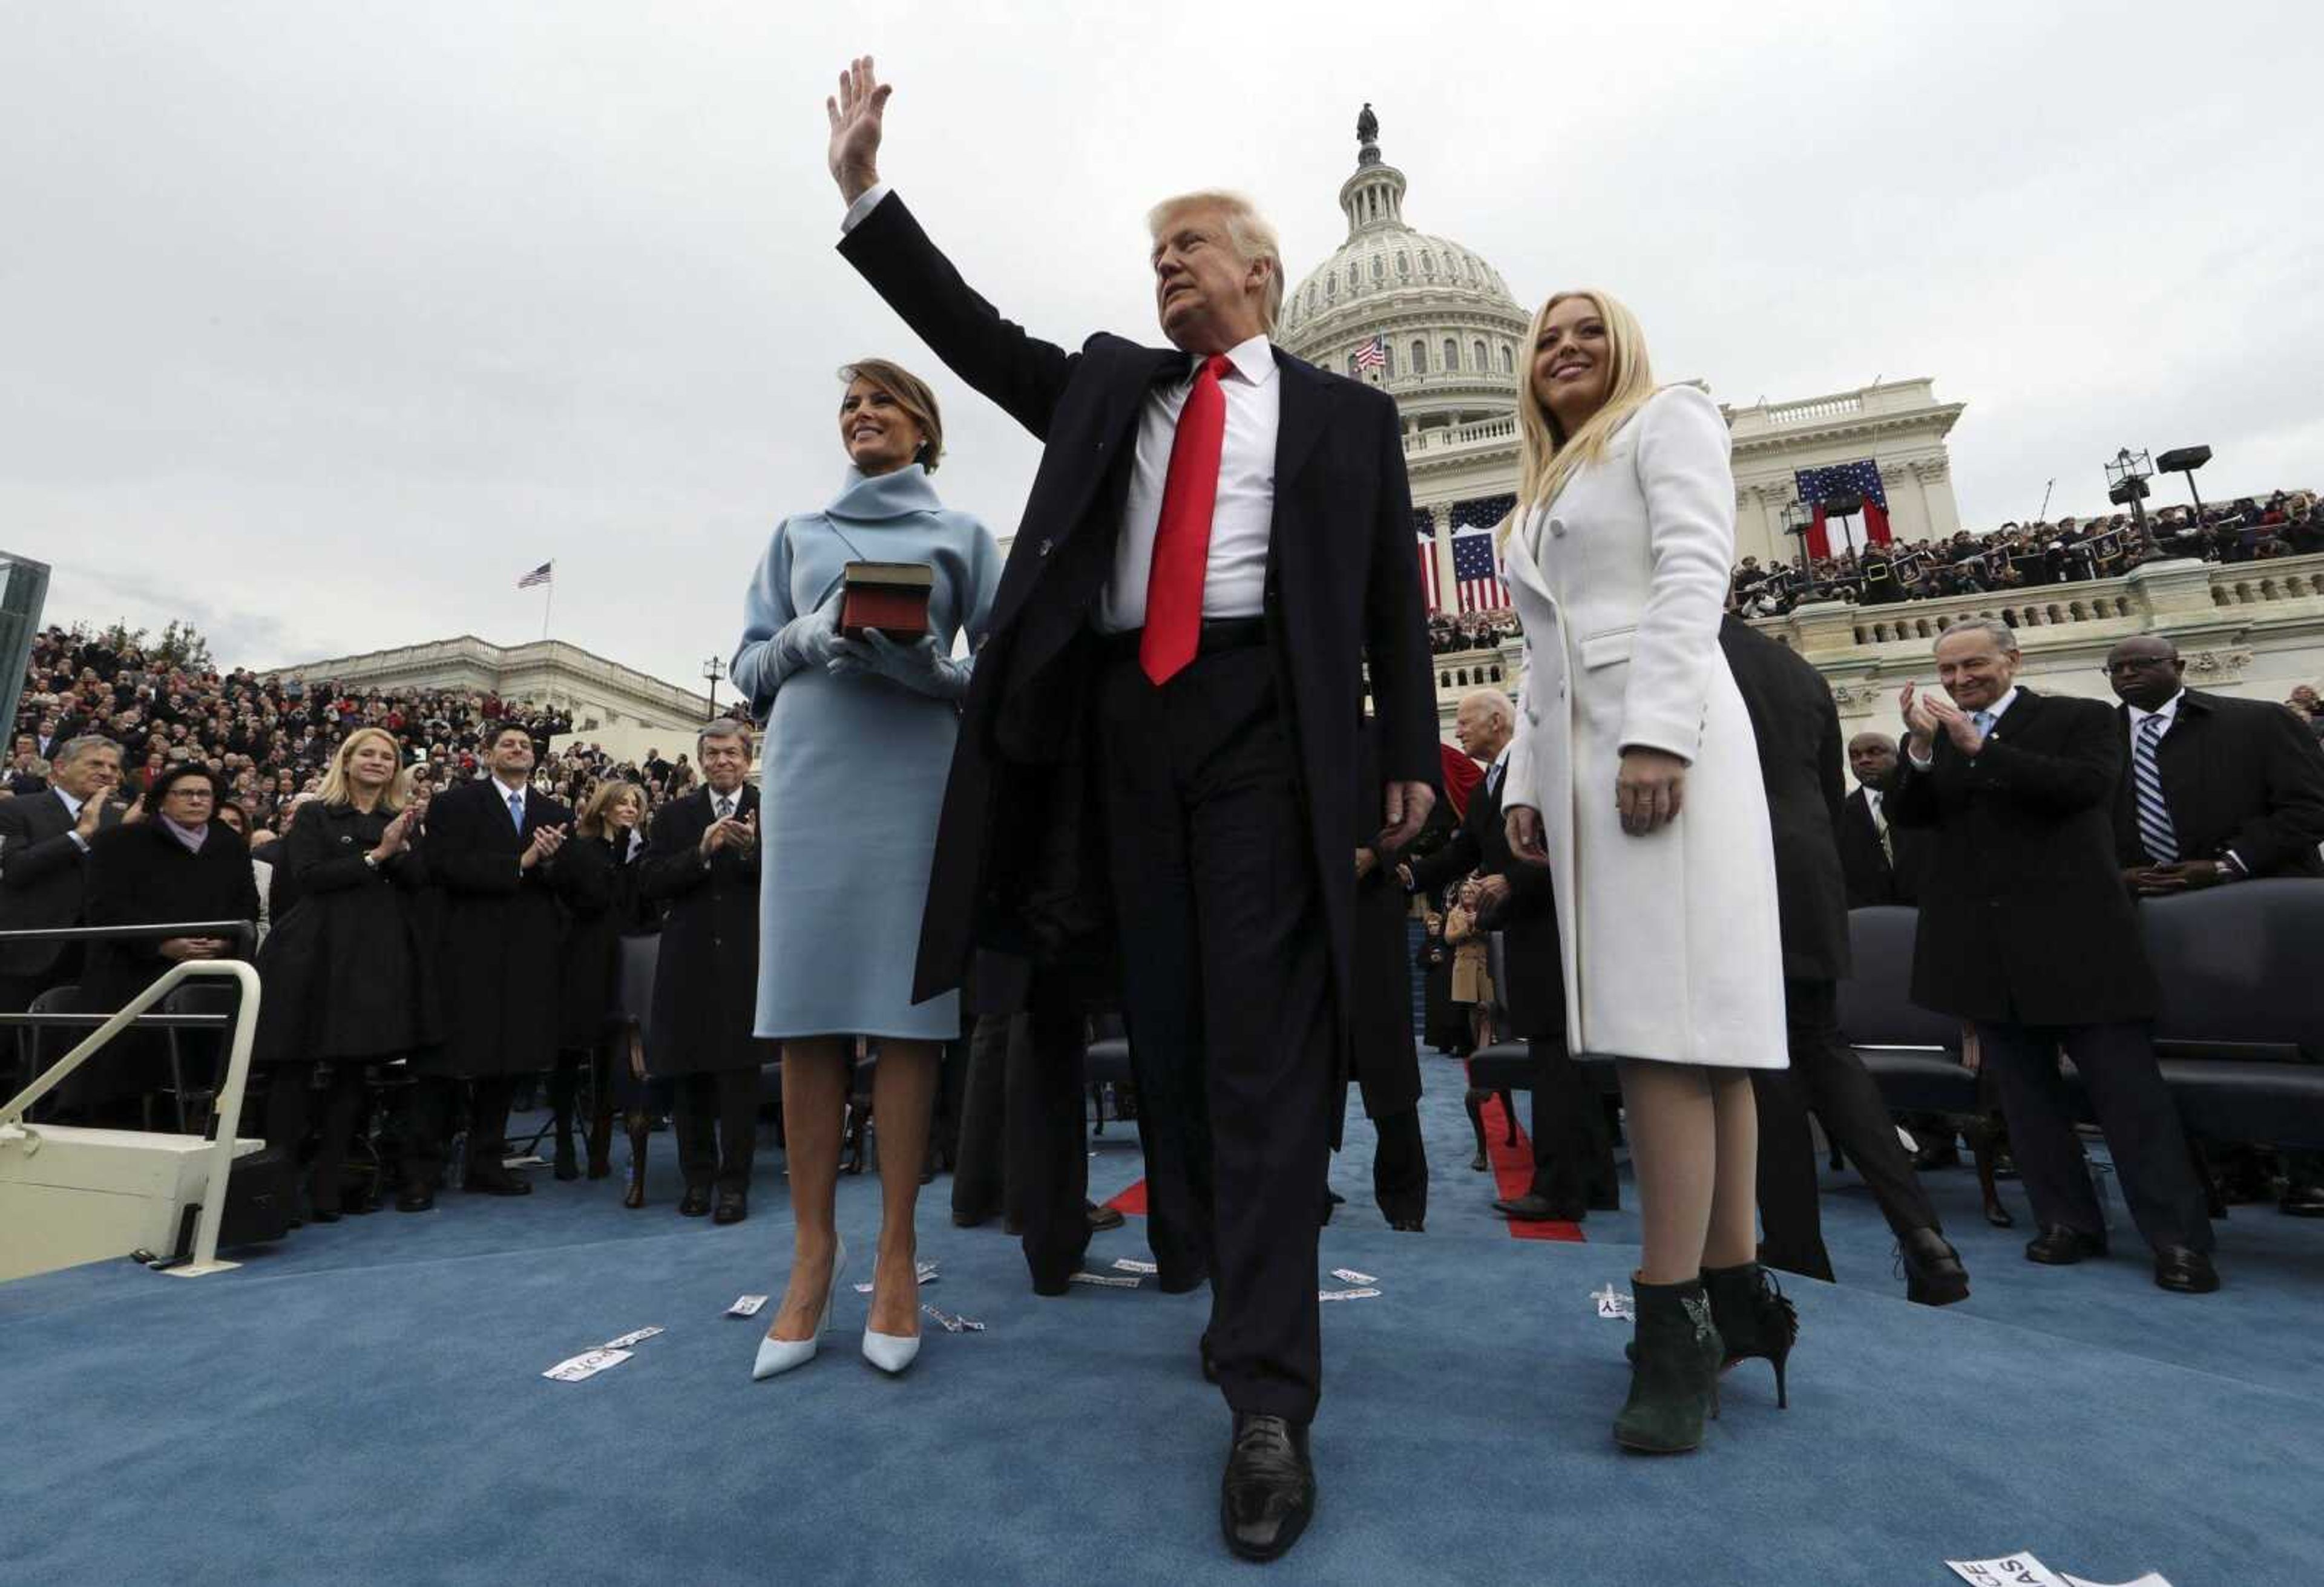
(516, 810)
(1984, 720)
(2154, 828)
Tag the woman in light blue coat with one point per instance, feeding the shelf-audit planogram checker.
(859, 737)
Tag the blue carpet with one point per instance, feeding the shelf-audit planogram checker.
(364, 1403)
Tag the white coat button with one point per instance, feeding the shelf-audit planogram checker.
(1046, 546)
(1557, 527)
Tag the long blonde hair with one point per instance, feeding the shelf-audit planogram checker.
(1546, 458)
(337, 790)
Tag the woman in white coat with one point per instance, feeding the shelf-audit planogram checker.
(1634, 775)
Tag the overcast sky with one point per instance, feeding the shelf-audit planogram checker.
(327, 321)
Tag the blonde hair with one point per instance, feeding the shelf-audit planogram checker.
(592, 823)
(1547, 458)
(1246, 229)
(912, 395)
(337, 790)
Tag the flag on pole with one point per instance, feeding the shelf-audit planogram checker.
(1423, 525)
(1860, 477)
(1372, 354)
(539, 575)
(1476, 573)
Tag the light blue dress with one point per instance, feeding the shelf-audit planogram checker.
(852, 773)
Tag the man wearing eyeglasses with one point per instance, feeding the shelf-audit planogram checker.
(2219, 790)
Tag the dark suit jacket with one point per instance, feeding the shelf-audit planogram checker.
(1798, 729)
(2241, 774)
(500, 931)
(42, 877)
(705, 998)
(1872, 876)
(1534, 996)
(2024, 916)
(1341, 588)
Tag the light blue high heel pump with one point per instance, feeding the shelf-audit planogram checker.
(780, 1355)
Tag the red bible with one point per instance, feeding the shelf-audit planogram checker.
(890, 596)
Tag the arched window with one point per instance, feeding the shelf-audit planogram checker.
(1427, 262)
(1388, 360)
(1482, 363)
(1331, 286)
(1420, 358)
(1404, 264)
(1379, 268)
(1451, 357)
(1509, 360)
(1355, 276)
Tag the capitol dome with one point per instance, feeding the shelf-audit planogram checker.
(1449, 329)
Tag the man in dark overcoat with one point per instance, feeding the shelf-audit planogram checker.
(2220, 790)
(701, 866)
(492, 854)
(1798, 729)
(1217, 542)
(2027, 931)
(44, 843)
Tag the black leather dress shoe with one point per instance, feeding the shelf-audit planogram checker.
(2061, 1247)
(1533, 1207)
(695, 1202)
(1934, 1274)
(1406, 1225)
(734, 1206)
(2184, 1271)
(1182, 1284)
(2303, 1201)
(1102, 1218)
(415, 1198)
(1929, 1159)
(1269, 1492)
(499, 1183)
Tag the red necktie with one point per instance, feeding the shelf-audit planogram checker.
(1182, 539)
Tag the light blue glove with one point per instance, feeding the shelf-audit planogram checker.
(918, 667)
(811, 640)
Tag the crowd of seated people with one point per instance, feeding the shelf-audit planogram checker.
(2024, 556)
(1449, 632)
(271, 740)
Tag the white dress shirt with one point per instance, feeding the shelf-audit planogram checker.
(1242, 518)
(72, 809)
(2168, 711)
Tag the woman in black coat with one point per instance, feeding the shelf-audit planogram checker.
(603, 905)
(173, 863)
(348, 978)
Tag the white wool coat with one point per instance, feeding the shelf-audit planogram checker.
(1672, 947)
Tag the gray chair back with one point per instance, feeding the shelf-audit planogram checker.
(1875, 1004)
(2240, 966)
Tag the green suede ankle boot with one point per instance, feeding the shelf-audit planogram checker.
(1673, 1370)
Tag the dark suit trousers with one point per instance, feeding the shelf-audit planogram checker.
(1573, 1149)
(2134, 1108)
(725, 1101)
(430, 1104)
(1228, 997)
(1400, 1168)
(1049, 1160)
(1022, 1120)
(1827, 1077)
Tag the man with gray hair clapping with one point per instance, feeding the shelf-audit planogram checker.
(2027, 931)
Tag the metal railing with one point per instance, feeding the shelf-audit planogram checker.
(242, 1024)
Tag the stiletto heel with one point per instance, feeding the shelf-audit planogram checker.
(1755, 1321)
(890, 1353)
(780, 1355)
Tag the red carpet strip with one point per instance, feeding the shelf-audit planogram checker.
(1510, 1152)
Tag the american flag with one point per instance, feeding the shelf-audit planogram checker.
(1423, 525)
(539, 575)
(1860, 477)
(1372, 354)
(1476, 573)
